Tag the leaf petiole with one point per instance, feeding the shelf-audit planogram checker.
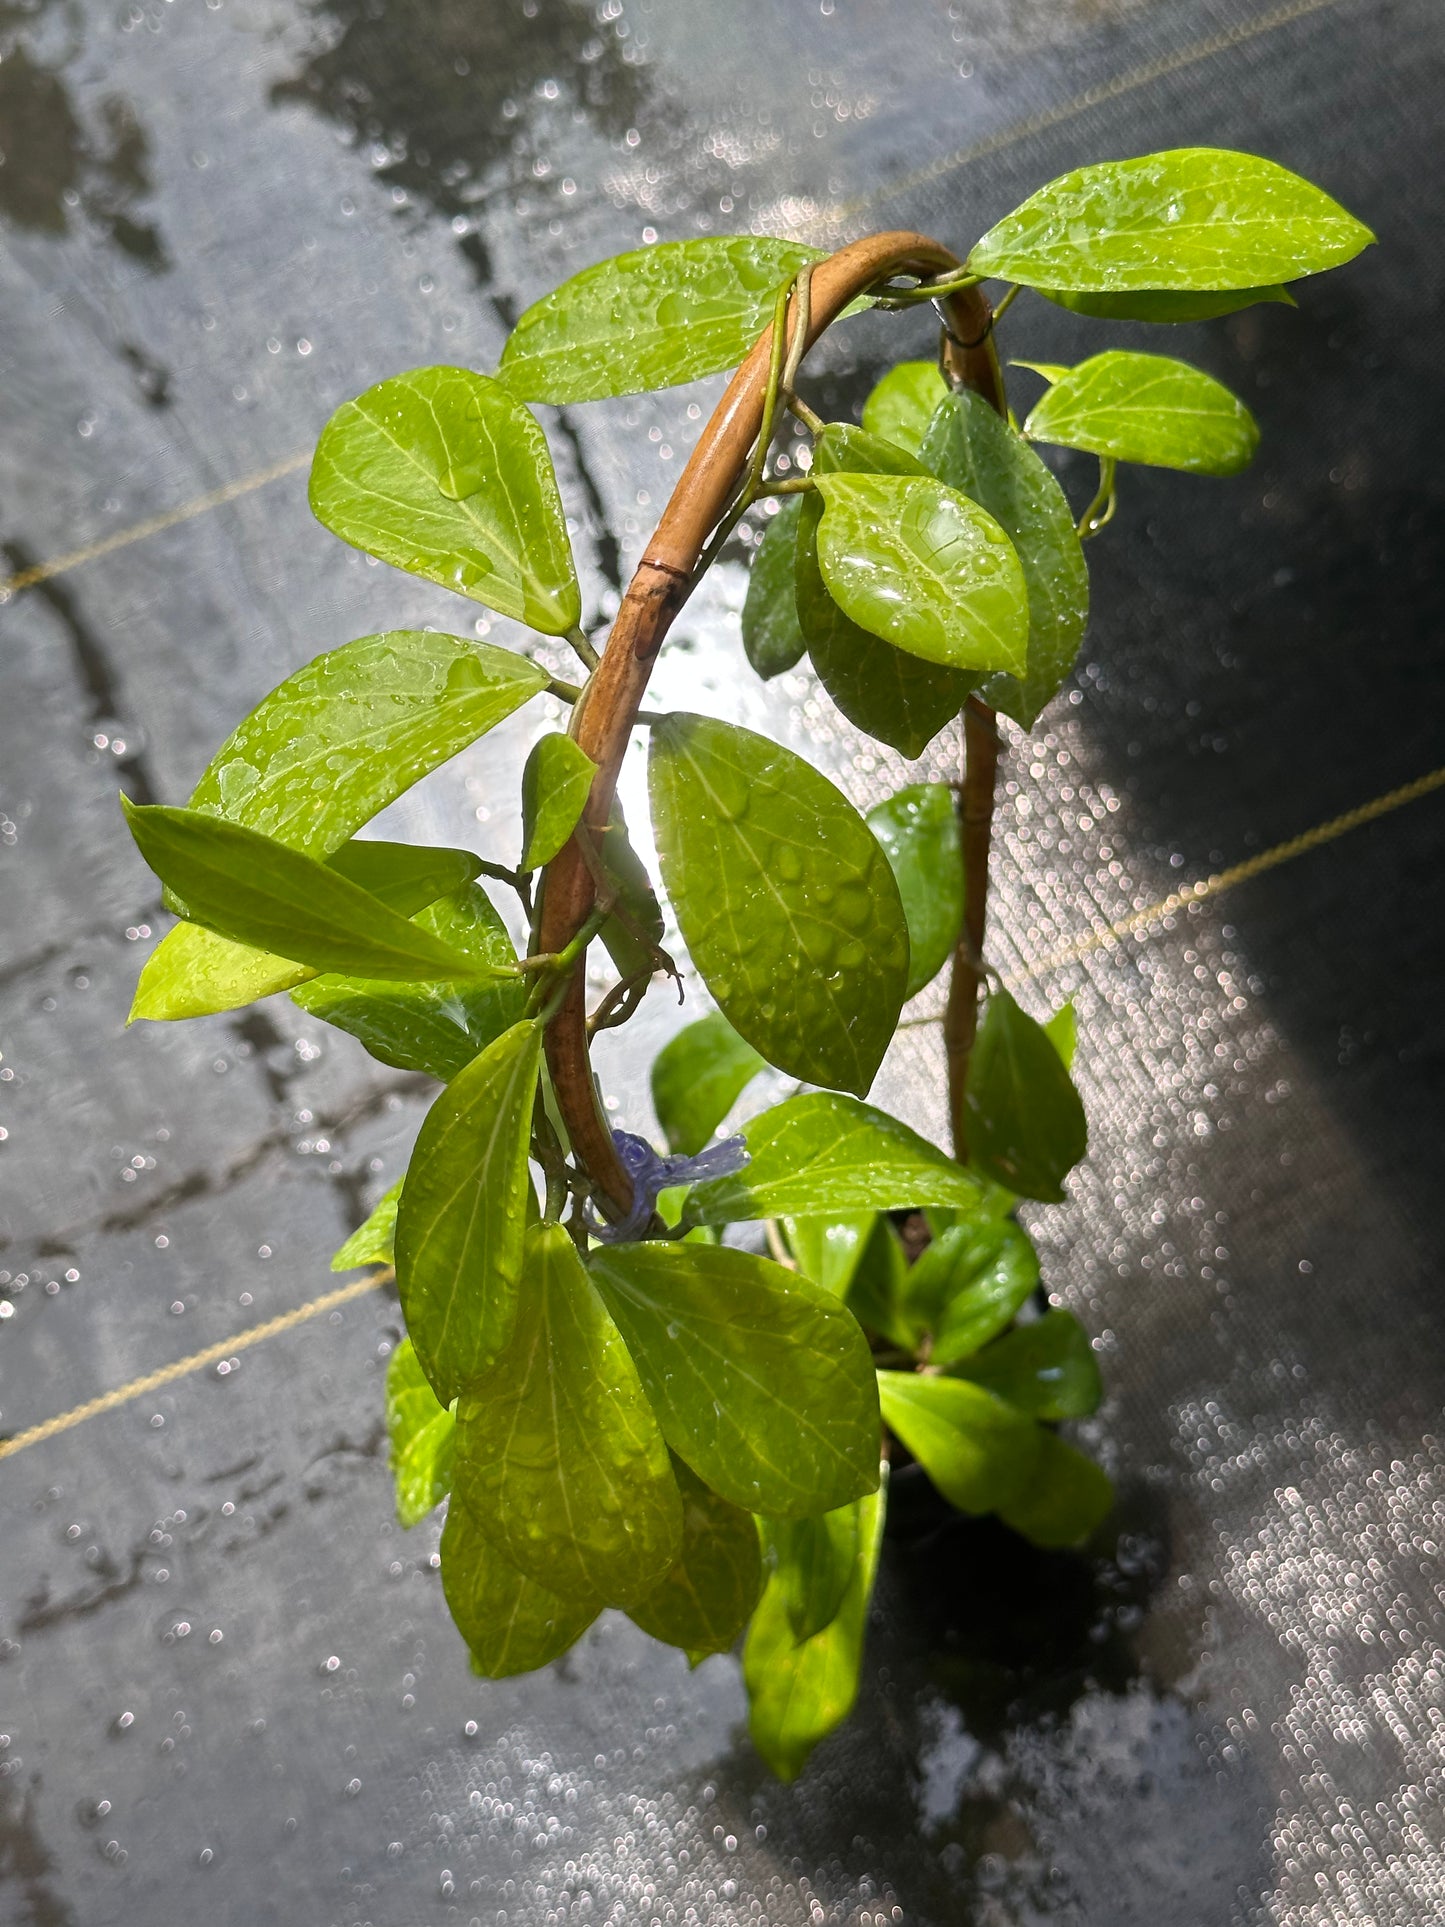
(1100, 512)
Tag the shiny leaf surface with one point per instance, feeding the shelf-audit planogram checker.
(967, 1285)
(1066, 1498)
(811, 1562)
(980, 1452)
(880, 1279)
(1166, 304)
(423, 1438)
(511, 1623)
(827, 1250)
(1047, 1368)
(901, 406)
(706, 1598)
(697, 1077)
(555, 783)
(917, 830)
(1149, 409)
(772, 638)
(374, 1241)
(1026, 1126)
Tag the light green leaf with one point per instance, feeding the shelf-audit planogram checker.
(824, 1154)
(559, 1457)
(1150, 409)
(1026, 1126)
(373, 1242)
(966, 1286)
(1062, 1030)
(1194, 217)
(706, 1598)
(924, 568)
(511, 1623)
(811, 1562)
(555, 786)
(460, 1222)
(797, 1693)
(901, 406)
(650, 319)
(697, 1077)
(1051, 371)
(760, 1380)
(975, 451)
(1065, 1500)
(877, 1287)
(423, 1437)
(436, 1028)
(979, 1451)
(1165, 304)
(443, 472)
(771, 636)
(1046, 1368)
(917, 830)
(786, 903)
(827, 1250)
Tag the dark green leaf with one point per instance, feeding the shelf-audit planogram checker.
(555, 784)
(1150, 409)
(979, 1451)
(406, 876)
(1026, 1125)
(460, 1222)
(1067, 1497)
(879, 1281)
(975, 451)
(511, 1623)
(559, 1457)
(811, 1562)
(374, 1242)
(1194, 217)
(631, 944)
(917, 830)
(1164, 304)
(697, 1077)
(760, 1379)
(444, 473)
(771, 635)
(827, 1250)
(901, 406)
(650, 319)
(966, 1286)
(1046, 1368)
(785, 901)
(423, 1437)
(704, 1602)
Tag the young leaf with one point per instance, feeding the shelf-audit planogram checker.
(799, 1693)
(374, 1242)
(459, 1226)
(423, 1437)
(971, 448)
(650, 319)
(917, 830)
(777, 881)
(824, 1154)
(811, 1562)
(760, 1380)
(879, 1282)
(697, 1077)
(771, 636)
(827, 1250)
(559, 1457)
(193, 973)
(1046, 1368)
(1150, 409)
(435, 1028)
(924, 568)
(511, 1623)
(979, 1451)
(901, 406)
(1166, 304)
(966, 1286)
(555, 783)
(443, 472)
(1194, 217)
(705, 1600)
(1026, 1125)
(1066, 1499)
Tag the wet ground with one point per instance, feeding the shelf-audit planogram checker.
(229, 1689)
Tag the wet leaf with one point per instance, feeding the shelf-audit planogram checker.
(697, 1077)
(972, 449)
(650, 318)
(784, 899)
(827, 1250)
(511, 1623)
(1166, 304)
(917, 830)
(423, 1437)
(705, 1600)
(1193, 217)
(444, 473)
(760, 1380)
(980, 1452)
(876, 1289)
(374, 1241)
(559, 1458)
(901, 406)
(1046, 1368)
(967, 1285)
(1065, 1500)
(1026, 1126)
(811, 1562)
(555, 784)
(1149, 409)
(460, 1222)
(771, 636)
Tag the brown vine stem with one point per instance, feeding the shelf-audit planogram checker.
(660, 586)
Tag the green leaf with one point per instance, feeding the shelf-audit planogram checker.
(979, 1451)
(1062, 1030)
(511, 1623)
(706, 1598)
(459, 1226)
(975, 451)
(879, 1282)
(697, 1077)
(917, 830)
(559, 1457)
(650, 319)
(435, 1028)
(192, 973)
(1026, 1126)
(423, 1437)
(811, 1563)
(966, 1286)
(1194, 217)
(798, 1693)
(1065, 1500)
(901, 406)
(633, 949)
(822, 1153)
(924, 568)
(1047, 1368)
(784, 899)
(243, 885)
(771, 636)
(1051, 371)
(1150, 409)
(1166, 304)
(374, 1242)
(827, 1250)
(555, 786)
(443, 472)
(760, 1380)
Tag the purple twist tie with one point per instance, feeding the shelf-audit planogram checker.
(651, 1172)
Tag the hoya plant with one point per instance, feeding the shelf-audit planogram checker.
(670, 1378)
